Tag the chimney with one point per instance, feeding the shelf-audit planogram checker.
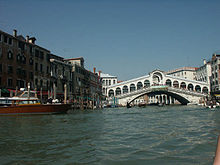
(15, 33)
(94, 69)
(27, 38)
(32, 40)
(100, 73)
(204, 62)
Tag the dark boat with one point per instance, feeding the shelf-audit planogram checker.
(128, 105)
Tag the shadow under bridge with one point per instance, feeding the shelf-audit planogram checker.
(178, 97)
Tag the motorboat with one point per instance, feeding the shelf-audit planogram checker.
(26, 102)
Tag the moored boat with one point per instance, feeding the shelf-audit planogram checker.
(26, 104)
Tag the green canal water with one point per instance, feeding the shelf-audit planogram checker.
(153, 135)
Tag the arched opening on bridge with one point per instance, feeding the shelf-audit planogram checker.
(164, 99)
(183, 85)
(147, 83)
(132, 88)
(110, 93)
(139, 85)
(176, 84)
(205, 90)
(168, 82)
(157, 99)
(190, 87)
(125, 89)
(118, 91)
(157, 77)
(197, 88)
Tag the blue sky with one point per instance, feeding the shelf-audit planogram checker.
(126, 38)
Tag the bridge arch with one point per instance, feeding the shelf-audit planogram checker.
(157, 77)
(190, 87)
(111, 93)
(139, 85)
(132, 88)
(197, 88)
(205, 90)
(125, 89)
(168, 82)
(118, 91)
(176, 84)
(183, 85)
(146, 83)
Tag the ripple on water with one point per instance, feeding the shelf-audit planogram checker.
(151, 135)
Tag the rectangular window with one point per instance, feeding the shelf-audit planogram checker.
(31, 75)
(36, 66)
(10, 41)
(18, 71)
(10, 69)
(31, 49)
(47, 69)
(24, 74)
(21, 45)
(36, 53)
(9, 82)
(41, 68)
(36, 82)
(0, 81)
(70, 75)
(41, 55)
(0, 68)
(5, 39)
(48, 57)
(0, 37)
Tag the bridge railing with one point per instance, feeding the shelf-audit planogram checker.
(160, 88)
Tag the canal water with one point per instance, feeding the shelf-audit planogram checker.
(151, 135)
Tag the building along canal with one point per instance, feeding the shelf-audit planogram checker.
(151, 135)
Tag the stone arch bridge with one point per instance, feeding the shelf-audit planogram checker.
(159, 87)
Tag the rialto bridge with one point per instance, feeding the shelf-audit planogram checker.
(159, 87)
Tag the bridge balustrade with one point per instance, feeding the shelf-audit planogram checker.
(180, 90)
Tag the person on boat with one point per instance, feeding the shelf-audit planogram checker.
(217, 153)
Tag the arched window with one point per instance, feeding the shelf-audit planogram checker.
(31, 62)
(168, 82)
(205, 90)
(176, 84)
(10, 54)
(110, 93)
(197, 88)
(183, 85)
(0, 50)
(18, 58)
(157, 77)
(146, 83)
(139, 85)
(125, 89)
(132, 88)
(118, 91)
(103, 90)
(190, 87)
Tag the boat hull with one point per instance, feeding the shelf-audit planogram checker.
(36, 109)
